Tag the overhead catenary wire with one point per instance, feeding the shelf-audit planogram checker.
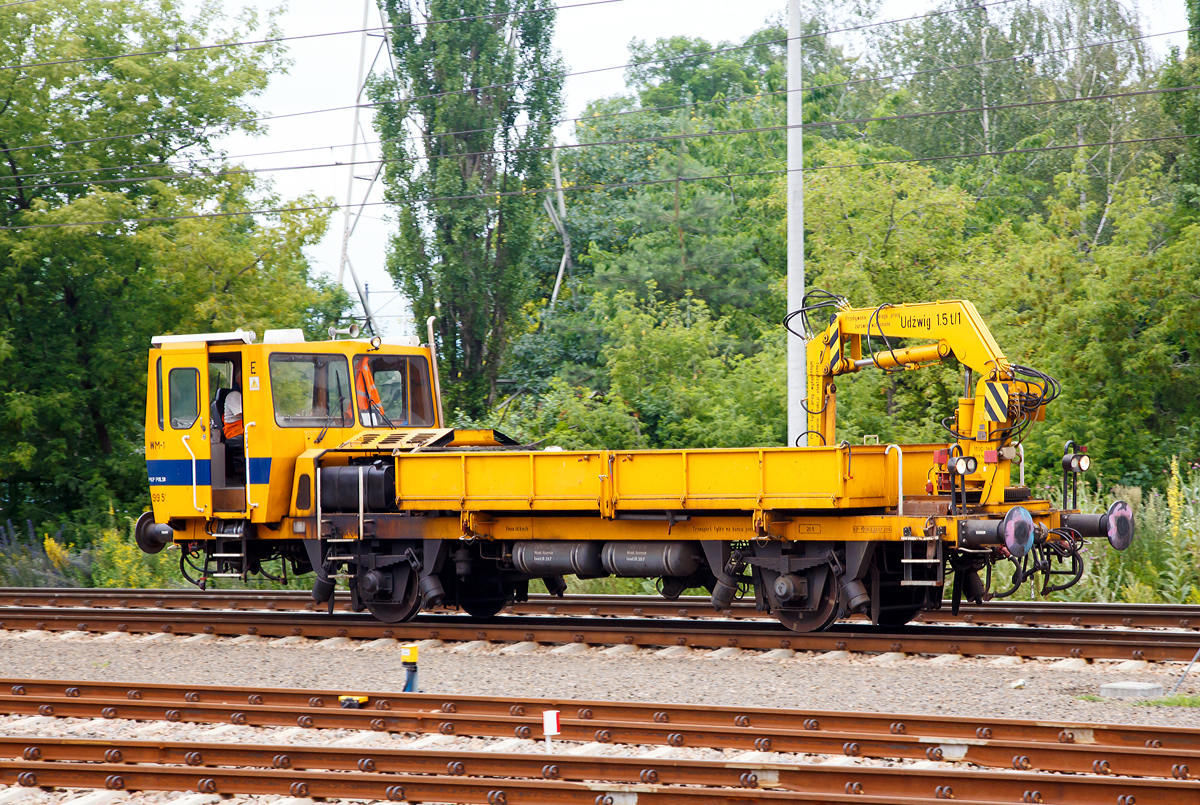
(410, 99)
(608, 186)
(682, 136)
(469, 18)
(669, 107)
(296, 37)
(502, 85)
(1028, 54)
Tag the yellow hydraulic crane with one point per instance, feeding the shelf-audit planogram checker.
(1006, 397)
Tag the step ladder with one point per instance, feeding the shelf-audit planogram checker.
(923, 563)
(341, 559)
(224, 556)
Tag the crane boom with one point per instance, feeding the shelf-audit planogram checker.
(985, 422)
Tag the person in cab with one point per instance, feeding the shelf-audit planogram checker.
(229, 409)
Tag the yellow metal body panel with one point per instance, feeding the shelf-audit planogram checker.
(805, 527)
(609, 482)
(526, 481)
(177, 446)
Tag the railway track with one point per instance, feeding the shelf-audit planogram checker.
(512, 778)
(761, 634)
(1108, 763)
(1139, 616)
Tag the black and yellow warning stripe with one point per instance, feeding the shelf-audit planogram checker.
(995, 401)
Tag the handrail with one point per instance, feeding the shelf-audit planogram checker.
(195, 502)
(246, 457)
(899, 477)
(361, 516)
(317, 485)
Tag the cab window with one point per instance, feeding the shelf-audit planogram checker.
(220, 374)
(311, 391)
(184, 392)
(393, 390)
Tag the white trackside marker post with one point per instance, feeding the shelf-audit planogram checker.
(550, 727)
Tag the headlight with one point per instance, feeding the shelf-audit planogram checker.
(1076, 462)
(963, 465)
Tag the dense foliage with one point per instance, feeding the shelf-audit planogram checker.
(464, 124)
(1035, 157)
(80, 303)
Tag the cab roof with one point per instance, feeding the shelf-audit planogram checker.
(284, 336)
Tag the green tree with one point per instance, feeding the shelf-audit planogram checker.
(674, 378)
(463, 124)
(1016, 72)
(106, 110)
(83, 299)
(1183, 106)
(1116, 323)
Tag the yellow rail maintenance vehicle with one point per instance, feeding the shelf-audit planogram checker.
(334, 456)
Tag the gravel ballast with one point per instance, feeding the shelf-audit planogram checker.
(914, 684)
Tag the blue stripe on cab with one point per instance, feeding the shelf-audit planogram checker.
(260, 470)
(178, 472)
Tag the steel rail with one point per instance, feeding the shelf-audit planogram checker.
(990, 753)
(812, 779)
(1150, 751)
(369, 786)
(955, 639)
(416, 788)
(1166, 616)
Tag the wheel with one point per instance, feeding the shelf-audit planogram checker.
(485, 592)
(812, 620)
(482, 607)
(390, 610)
(898, 616)
(896, 604)
(899, 605)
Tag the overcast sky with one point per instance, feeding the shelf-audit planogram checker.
(325, 71)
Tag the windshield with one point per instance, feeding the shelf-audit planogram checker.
(311, 391)
(393, 391)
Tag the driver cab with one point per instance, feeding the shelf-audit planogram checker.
(228, 419)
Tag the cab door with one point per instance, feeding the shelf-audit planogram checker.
(183, 473)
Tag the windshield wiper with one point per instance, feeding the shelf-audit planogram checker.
(379, 410)
(341, 410)
(324, 429)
